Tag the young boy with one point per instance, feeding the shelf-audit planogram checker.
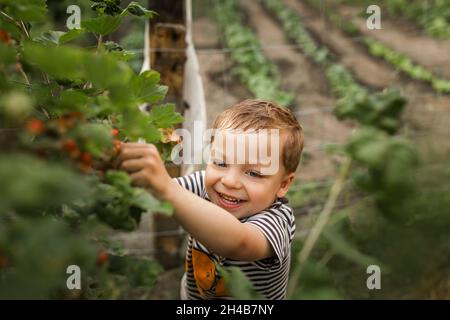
(234, 211)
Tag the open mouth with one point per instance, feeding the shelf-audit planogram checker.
(229, 201)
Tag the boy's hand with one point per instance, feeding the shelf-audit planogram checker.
(143, 163)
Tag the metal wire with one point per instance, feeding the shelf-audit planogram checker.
(226, 50)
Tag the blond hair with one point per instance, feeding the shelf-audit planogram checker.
(253, 114)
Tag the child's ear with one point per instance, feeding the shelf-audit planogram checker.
(285, 184)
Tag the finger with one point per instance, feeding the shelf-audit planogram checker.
(139, 145)
(134, 165)
(139, 179)
(134, 144)
(127, 154)
(133, 153)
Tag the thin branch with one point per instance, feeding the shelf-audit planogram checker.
(24, 28)
(326, 257)
(20, 68)
(88, 84)
(99, 41)
(320, 224)
(7, 16)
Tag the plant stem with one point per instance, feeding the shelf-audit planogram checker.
(320, 224)
(19, 67)
(99, 41)
(24, 29)
(7, 16)
(88, 84)
(21, 26)
(326, 257)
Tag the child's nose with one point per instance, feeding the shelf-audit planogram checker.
(232, 179)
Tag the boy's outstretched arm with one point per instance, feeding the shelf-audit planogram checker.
(213, 226)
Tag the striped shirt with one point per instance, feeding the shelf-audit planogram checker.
(269, 276)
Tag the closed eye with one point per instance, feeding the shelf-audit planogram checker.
(254, 174)
(219, 163)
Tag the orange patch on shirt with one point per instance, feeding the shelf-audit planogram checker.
(205, 274)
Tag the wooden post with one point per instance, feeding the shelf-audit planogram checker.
(169, 11)
(168, 57)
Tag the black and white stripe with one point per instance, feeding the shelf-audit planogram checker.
(268, 276)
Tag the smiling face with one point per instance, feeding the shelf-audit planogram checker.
(245, 188)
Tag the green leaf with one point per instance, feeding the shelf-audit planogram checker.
(59, 62)
(122, 55)
(136, 124)
(67, 62)
(144, 200)
(164, 116)
(26, 10)
(116, 51)
(102, 25)
(97, 138)
(73, 99)
(112, 46)
(145, 87)
(50, 37)
(105, 72)
(238, 284)
(7, 54)
(166, 208)
(71, 35)
(136, 9)
(151, 134)
(119, 179)
(119, 200)
(143, 273)
(441, 86)
(33, 185)
(41, 250)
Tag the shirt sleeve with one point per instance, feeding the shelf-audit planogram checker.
(278, 226)
(193, 182)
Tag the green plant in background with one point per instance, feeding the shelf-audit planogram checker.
(380, 50)
(251, 66)
(64, 109)
(295, 29)
(376, 211)
(380, 218)
(381, 110)
(406, 65)
(432, 15)
(340, 79)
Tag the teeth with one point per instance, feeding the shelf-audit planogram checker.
(234, 200)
